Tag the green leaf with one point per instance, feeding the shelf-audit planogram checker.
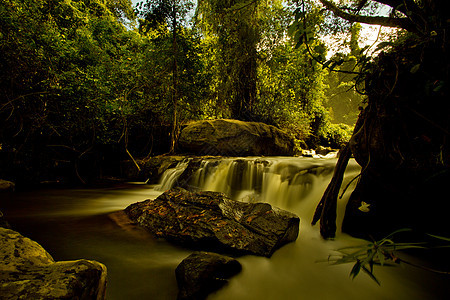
(415, 68)
(320, 50)
(310, 36)
(383, 45)
(380, 256)
(409, 247)
(298, 36)
(397, 231)
(352, 247)
(293, 28)
(371, 275)
(386, 240)
(355, 270)
(440, 237)
(439, 87)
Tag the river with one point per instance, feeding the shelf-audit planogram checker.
(82, 223)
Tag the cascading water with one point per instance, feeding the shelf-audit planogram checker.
(284, 182)
(171, 175)
(73, 224)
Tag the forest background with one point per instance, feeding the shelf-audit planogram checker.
(82, 80)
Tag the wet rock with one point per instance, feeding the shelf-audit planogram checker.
(234, 138)
(151, 168)
(27, 271)
(321, 150)
(204, 272)
(184, 179)
(6, 186)
(212, 221)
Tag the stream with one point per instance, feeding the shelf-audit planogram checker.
(82, 223)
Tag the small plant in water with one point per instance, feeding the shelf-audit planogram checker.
(382, 253)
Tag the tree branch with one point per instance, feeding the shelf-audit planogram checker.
(20, 97)
(403, 23)
(401, 5)
(331, 70)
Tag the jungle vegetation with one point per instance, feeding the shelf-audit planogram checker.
(81, 76)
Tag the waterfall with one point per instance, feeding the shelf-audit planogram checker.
(291, 183)
(171, 175)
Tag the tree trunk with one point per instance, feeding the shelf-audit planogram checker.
(174, 132)
(403, 144)
(326, 209)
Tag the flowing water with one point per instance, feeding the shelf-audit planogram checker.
(83, 223)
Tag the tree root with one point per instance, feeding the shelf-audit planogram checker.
(326, 209)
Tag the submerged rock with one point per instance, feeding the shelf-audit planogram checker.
(213, 221)
(27, 271)
(234, 138)
(204, 272)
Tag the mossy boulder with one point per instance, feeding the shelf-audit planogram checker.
(234, 138)
(27, 271)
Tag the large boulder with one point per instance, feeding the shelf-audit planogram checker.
(213, 221)
(234, 138)
(202, 273)
(27, 271)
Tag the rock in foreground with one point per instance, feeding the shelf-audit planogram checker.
(27, 271)
(234, 138)
(210, 220)
(204, 272)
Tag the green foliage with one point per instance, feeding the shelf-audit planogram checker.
(76, 74)
(365, 256)
(382, 253)
(166, 17)
(234, 25)
(122, 10)
(164, 12)
(342, 95)
(290, 86)
(291, 92)
(336, 135)
(157, 75)
(65, 72)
